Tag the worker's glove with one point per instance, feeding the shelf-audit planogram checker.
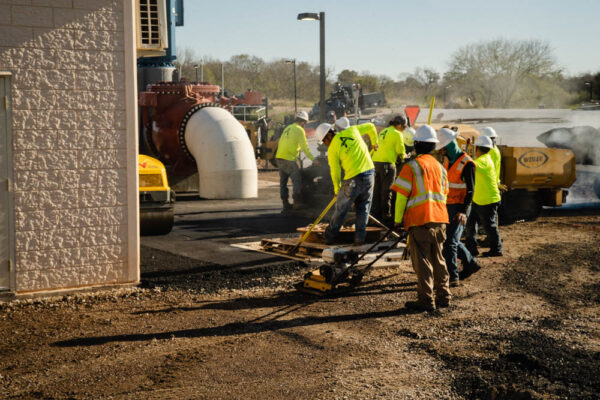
(502, 187)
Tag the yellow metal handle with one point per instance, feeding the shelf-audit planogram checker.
(430, 110)
(319, 218)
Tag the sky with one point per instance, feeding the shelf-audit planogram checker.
(386, 37)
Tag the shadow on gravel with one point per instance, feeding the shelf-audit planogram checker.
(231, 329)
(531, 365)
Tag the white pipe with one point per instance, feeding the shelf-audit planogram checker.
(223, 153)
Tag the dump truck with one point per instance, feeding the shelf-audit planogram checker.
(156, 197)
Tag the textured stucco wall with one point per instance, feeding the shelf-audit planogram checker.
(69, 124)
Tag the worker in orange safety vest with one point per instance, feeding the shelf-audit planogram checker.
(421, 188)
(461, 178)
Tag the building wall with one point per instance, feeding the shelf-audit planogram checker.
(74, 141)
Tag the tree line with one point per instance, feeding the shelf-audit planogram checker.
(492, 74)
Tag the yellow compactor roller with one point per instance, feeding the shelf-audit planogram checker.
(156, 197)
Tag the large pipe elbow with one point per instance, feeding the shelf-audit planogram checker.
(223, 154)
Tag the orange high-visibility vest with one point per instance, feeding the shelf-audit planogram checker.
(424, 183)
(458, 189)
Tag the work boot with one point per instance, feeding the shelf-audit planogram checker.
(469, 269)
(492, 253)
(473, 250)
(455, 282)
(419, 306)
(286, 205)
(442, 303)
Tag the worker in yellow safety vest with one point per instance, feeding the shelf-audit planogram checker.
(461, 178)
(486, 200)
(407, 136)
(347, 151)
(494, 152)
(421, 188)
(292, 140)
(369, 131)
(390, 150)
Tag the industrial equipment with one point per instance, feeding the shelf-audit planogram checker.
(343, 98)
(156, 197)
(531, 177)
(341, 270)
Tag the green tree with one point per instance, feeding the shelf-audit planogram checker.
(495, 71)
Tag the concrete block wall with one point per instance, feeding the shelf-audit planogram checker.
(70, 146)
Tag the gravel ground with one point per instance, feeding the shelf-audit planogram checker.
(526, 326)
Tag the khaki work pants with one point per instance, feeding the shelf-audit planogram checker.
(425, 245)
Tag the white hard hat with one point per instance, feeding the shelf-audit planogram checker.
(489, 132)
(425, 133)
(322, 130)
(302, 115)
(484, 141)
(445, 136)
(342, 123)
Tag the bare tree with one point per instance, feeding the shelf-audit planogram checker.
(494, 71)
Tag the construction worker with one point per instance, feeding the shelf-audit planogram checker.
(421, 188)
(368, 130)
(486, 200)
(390, 150)
(494, 152)
(292, 140)
(348, 151)
(461, 179)
(407, 136)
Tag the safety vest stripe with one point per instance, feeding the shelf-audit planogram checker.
(458, 185)
(403, 183)
(462, 163)
(444, 177)
(418, 174)
(415, 201)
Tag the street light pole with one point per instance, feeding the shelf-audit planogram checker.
(196, 69)
(322, 72)
(591, 85)
(321, 18)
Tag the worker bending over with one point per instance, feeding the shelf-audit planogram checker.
(390, 150)
(292, 140)
(486, 200)
(347, 151)
(461, 180)
(421, 188)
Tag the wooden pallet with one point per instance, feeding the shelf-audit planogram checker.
(283, 246)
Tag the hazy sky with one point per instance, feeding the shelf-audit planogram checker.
(389, 37)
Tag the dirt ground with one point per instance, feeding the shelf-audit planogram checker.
(526, 326)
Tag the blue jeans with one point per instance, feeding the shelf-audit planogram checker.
(289, 169)
(453, 247)
(486, 215)
(358, 191)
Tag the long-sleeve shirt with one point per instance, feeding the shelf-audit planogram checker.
(468, 177)
(391, 146)
(348, 151)
(486, 184)
(496, 158)
(369, 129)
(292, 140)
